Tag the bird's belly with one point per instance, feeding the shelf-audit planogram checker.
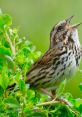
(64, 70)
(70, 67)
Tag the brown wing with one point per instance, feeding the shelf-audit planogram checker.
(45, 59)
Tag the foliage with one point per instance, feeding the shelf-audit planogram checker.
(16, 57)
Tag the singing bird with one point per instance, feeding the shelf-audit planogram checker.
(60, 60)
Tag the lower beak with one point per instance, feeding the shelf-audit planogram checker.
(76, 25)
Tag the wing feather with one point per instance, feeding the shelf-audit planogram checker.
(45, 59)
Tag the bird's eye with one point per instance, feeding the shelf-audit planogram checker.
(59, 28)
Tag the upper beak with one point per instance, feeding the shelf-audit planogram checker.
(69, 19)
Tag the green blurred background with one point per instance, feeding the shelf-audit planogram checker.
(35, 19)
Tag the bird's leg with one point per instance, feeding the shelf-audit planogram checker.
(55, 98)
(51, 100)
(45, 91)
(53, 92)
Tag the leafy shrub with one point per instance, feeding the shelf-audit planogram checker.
(16, 57)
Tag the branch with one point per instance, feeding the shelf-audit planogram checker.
(10, 43)
(48, 103)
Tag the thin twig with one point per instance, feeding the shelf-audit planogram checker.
(56, 102)
(48, 103)
(10, 43)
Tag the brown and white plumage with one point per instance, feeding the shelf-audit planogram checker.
(61, 59)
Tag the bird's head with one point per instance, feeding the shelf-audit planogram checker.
(61, 30)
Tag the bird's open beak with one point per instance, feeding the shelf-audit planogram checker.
(68, 20)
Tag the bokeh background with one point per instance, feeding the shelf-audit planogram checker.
(35, 19)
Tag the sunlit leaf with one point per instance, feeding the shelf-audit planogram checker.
(5, 51)
(12, 102)
(22, 85)
(61, 88)
(5, 21)
(4, 79)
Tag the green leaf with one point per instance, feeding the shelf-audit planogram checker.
(2, 62)
(4, 79)
(2, 110)
(11, 113)
(12, 102)
(1, 92)
(80, 108)
(5, 51)
(78, 102)
(22, 85)
(30, 94)
(61, 88)
(5, 21)
(20, 58)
